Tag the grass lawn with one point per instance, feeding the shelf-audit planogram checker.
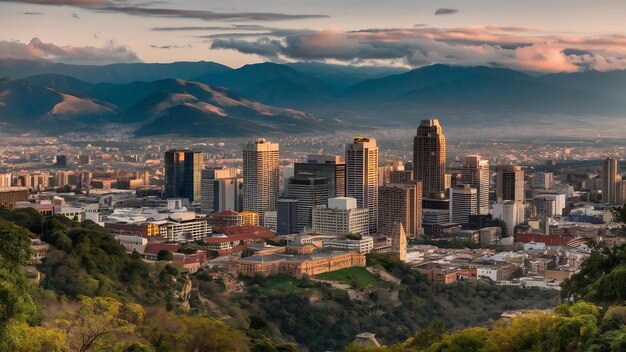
(356, 277)
(279, 282)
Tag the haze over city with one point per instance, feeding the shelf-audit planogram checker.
(284, 176)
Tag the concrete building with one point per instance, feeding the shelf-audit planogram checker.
(182, 227)
(400, 202)
(270, 220)
(362, 177)
(260, 176)
(250, 218)
(221, 190)
(510, 184)
(610, 180)
(543, 180)
(183, 170)
(310, 192)
(429, 157)
(474, 171)
(463, 203)
(340, 216)
(329, 166)
(287, 222)
(5, 180)
(364, 245)
(490, 235)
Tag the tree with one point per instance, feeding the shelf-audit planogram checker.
(15, 251)
(166, 255)
(98, 322)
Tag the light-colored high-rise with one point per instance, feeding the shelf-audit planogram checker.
(510, 184)
(260, 177)
(609, 181)
(362, 176)
(400, 203)
(463, 203)
(220, 190)
(429, 157)
(474, 172)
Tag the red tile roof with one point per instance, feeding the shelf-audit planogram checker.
(538, 237)
(249, 230)
(155, 248)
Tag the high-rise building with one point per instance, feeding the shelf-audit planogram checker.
(512, 213)
(463, 203)
(287, 218)
(474, 172)
(61, 161)
(310, 192)
(329, 166)
(398, 241)
(609, 181)
(400, 203)
(260, 176)
(429, 157)
(340, 216)
(510, 184)
(220, 189)
(183, 170)
(362, 176)
(385, 172)
(10, 196)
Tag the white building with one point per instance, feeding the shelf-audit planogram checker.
(512, 213)
(270, 220)
(487, 272)
(364, 245)
(183, 227)
(340, 216)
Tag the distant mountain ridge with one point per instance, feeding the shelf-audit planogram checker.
(368, 96)
(170, 106)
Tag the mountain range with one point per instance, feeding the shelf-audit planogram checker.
(209, 99)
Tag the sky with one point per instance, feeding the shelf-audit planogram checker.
(533, 35)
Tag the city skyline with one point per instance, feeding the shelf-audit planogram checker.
(524, 36)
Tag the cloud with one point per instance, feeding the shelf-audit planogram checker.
(75, 16)
(31, 13)
(444, 11)
(515, 47)
(112, 52)
(147, 11)
(169, 46)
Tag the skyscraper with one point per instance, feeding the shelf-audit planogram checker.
(310, 192)
(609, 181)
(260, 177)
(429, 157)
(463, 203)
(510, 184)
(330, 166)
(400, 203)
(474, 172)
(362, 176)
(183, 169)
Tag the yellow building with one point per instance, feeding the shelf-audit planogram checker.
(249, 218)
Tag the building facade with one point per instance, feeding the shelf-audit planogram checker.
(340, 216)
(400, 203)
(329, 166)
